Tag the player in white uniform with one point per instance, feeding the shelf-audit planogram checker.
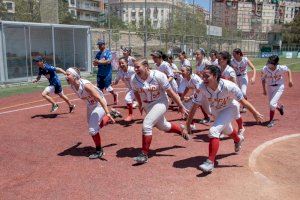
(165, 68)
(127, 55)
(177, 73)
(125, 73)
(201, 61)
(184, 62)
(151, 88)
(228, 73)
(97, 110)
(272, 76)
(240, 64)
(213, 57)
(222, 96)
(192, 81)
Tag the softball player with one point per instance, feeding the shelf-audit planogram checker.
(228, 73)
(201, 61)
(222, 96)
(104, 75)
(125, 73)
(55, 85)
(272, 76)
(177, 74)
(97, 110)
(164, 67)
(150, 89)
(192, 81)
(127, 55)
(214, 57)
(183, 59)
(240, 64)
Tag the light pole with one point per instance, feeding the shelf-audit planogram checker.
(145, 27)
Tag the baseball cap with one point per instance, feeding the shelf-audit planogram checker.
(156, 54)
(100, 42)
(38, 59)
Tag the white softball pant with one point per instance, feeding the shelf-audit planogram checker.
(223, 121)
(242, 82)
(274, 94)
(94, 117)
(129, 97)
(174, 86)
(155, 117)
(181, 87)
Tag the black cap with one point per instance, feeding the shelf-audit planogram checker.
(38, 59)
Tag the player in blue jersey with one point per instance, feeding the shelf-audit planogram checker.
(54, 83)
(104, 75)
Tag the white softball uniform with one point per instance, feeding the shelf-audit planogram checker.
(155, 103)
(185, 63)
(126, 77)
(215, 62)
(166, 68)
(274, 83)
(241, 69)
(201, 65)
(178, 77)
(95, 112)
(228, 73)
(192, 84)
(130, 61)
(223, 103)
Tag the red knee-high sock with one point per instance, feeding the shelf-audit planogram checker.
(175, 128)
(239, 122)
(115, 95)
(105, 121)
(234, 136)
(146, 143)
(213, 148)
(130, 108)
(272, 113)
(204, 113)
(97, 140)
(192, 122)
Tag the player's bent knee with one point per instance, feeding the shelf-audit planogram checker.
(213, 133)
(93, 131)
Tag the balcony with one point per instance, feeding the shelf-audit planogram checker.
(88, 8)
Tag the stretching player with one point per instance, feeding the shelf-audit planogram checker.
(272, 76)
(150, 89)
(240, 64)
(222, 96)
(54, 83)
(201, 61)
(213, 57)
(127, 55)
(125, 73)
(97, 111)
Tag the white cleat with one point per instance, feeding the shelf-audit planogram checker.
(207, 166)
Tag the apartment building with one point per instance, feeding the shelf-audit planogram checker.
(133, 11)
(86, 10)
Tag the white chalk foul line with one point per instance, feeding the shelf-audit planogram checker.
(43, 105)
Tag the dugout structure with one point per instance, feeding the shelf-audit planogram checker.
(61, 45)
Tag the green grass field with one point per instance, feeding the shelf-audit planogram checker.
(293, 64)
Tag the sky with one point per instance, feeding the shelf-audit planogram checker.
(203, 3)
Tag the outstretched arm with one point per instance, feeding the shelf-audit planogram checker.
(60, 70)
(177, 100)
(252, 80)
(290, 78)
(258, 117)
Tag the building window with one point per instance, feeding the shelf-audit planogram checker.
(72, 2)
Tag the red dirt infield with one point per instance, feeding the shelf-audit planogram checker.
(44, 155)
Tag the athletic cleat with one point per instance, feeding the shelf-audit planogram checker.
(280, 109)
(114, 113)
(54, 108)
(71, 108)
(96, 155)
(243, 110)
(128, 118)
(271, 124)
(141, 158)
(192, 126)
(135, 104)
(241, 131)
(207, 166)
(204, 121)
(238, 145)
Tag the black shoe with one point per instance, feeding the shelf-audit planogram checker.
(280, 109)
(114, 113)
(71, 108)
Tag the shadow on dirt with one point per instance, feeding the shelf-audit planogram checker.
(48, 116)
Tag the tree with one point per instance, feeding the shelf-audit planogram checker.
(64, 16)
(291, 32)
(27, 11)
(3, 11)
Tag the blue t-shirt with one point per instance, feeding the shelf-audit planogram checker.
(50, 73)
(104, 70)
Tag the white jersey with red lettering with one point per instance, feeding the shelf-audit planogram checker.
(194, 82)
(228, 73)
(223, 97)
(156, 80)
(83, 94)
(125, 76)
(274, 77)
(130, 61)
(215, 62)
(240, 67)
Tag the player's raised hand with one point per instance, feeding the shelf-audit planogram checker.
(258, 117)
